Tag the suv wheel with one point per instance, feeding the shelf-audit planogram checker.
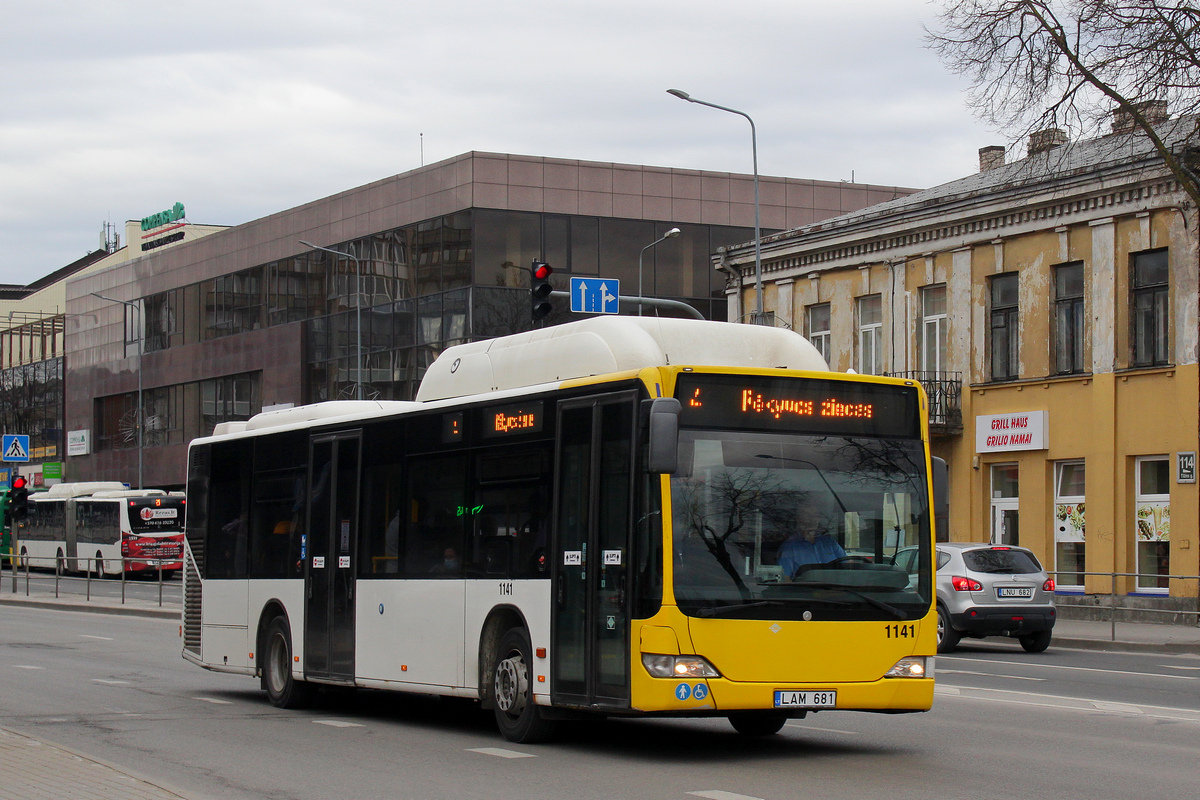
(1035, 642)
(947, 637)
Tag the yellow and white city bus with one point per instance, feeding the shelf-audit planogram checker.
(620, 516)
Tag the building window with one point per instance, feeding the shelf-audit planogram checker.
(817, 325)
(934, 328)
(1004, 333)
(1069, 319)
(234, 397)
(870, 328)
(1150, 282)
(1069, 538)
(1152, 523)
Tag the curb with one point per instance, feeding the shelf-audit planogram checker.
(1125, 646)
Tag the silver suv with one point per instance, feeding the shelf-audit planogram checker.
(992, 590)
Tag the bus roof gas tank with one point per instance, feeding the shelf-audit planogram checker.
(605, 345)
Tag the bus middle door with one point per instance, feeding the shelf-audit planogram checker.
(590, 625)
(332, 531)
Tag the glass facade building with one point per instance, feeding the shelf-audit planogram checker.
(252, 317)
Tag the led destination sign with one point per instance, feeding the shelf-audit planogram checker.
(798, 405)
(512, 419)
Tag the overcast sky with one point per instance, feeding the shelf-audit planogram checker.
(241, 108)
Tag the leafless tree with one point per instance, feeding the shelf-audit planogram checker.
(1070, 64)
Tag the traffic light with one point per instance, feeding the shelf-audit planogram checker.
(17, 499)
(539, 289)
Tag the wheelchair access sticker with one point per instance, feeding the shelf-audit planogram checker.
(697, 692)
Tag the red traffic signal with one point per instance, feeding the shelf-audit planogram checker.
(18, 482)
(540, 289)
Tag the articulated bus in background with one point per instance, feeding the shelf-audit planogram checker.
(104, 528)
(608, 517)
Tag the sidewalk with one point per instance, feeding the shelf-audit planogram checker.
(1134, 637)
(38, 770)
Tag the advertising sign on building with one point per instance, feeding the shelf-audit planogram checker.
(77, 442)
(1019, 430)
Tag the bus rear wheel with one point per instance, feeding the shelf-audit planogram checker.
(283, 690)
(757, 723)
(517, 716)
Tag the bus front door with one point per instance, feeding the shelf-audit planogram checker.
(332, 531)
(590, 625)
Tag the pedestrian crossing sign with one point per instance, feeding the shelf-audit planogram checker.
(15, 447)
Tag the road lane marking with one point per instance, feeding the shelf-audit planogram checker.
(215, 701)
(101, 638)
(942, 671)
(333, 723)
(1175, 666)
(110, 683)
(1077, 669)
(798, 724)
(25, 666)
(500, 752)
(717, 794)
(1063, 703)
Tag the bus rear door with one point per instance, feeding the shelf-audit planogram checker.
(332, 531)
(590, 625)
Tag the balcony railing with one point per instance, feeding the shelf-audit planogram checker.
(945, 399)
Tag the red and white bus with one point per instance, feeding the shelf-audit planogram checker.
(103, 528)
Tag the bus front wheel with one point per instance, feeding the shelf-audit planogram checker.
(758, 723)
(283, 690)
(517, 716)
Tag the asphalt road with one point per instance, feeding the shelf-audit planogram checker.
(1005, 724)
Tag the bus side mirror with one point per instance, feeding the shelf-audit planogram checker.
(941, 499)
(663, 456)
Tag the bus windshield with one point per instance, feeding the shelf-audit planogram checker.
(792, 526)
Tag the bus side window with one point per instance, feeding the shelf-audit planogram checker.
(438, 512)
(228, 525)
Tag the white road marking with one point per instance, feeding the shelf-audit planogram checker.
(102, 638)
(333, 723)
(215, 701)
(942, 671)
(800, 724)
(110, 683)
(1062, 703)
(1173, 666)
(1077, 669)
(499, 752)
(25, 666)
(717, 794)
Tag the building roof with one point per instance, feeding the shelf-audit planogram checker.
(1058, 167)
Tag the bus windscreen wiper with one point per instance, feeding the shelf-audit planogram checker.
(719, 610)
(857, 591)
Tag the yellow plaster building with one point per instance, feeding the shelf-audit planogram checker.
(1049, 307)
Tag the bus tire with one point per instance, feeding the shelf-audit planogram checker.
(517, 716)
(283, 690)
(758, 723)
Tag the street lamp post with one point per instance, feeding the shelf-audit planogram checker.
(758, 290)
(140, 342)
(671, 234)
(358, 390)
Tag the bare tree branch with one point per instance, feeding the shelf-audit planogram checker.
(1070, 64)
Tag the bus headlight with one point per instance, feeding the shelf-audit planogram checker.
(678, 666)
(912, 667)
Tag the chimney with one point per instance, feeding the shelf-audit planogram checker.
(1043, 141)
(991, 157)
(1155, 111)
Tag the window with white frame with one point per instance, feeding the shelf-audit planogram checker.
(1150, 297)
(934, 328)
(1152, 523)
(870, 334)
(817, 325)
(1069, 530)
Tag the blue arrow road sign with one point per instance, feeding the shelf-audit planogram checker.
(595, 295)
(16, 447)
